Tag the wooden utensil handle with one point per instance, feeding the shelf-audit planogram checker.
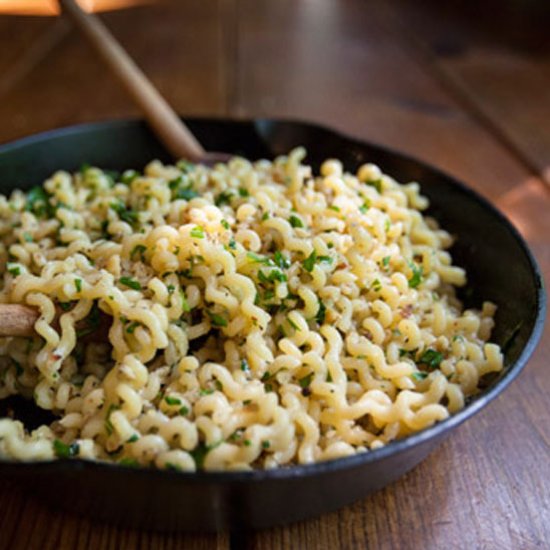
(17, 320)
(164, 121)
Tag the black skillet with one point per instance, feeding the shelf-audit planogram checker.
(499, 265)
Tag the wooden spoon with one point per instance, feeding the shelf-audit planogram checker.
(164, 121)
(19, 320)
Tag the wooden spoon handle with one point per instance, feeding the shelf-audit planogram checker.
(164, 121)
(17, 320)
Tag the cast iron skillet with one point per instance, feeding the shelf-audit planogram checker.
(499, 265)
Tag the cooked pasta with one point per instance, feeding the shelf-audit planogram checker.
(258, 315)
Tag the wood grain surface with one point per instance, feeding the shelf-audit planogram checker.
(384, 72)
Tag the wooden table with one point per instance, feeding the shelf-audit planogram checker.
(455, 89)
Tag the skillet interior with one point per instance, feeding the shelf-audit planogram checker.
(499, 265)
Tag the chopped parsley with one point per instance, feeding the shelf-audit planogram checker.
(14, 270)
(185, 166)
(130, 283)
(217, 320)
(431, 358)
(257, 258)
(129, 176)
(295, 221)
(131, 328)
(365, 206)
(184, 303)
(281, 260)
(321, 313)
(266, 444)
(335, 208)
(197, 232)
(201, 450)
(133, 438)
(377, 184)
(62, 450)
(293, 324)
(129, 462)
(172, 400)
(125, 214)
(91, 322)
(272, 276)
(109, 428)
(186, 193)
(309, 262)
(386, 261)
(224, 198)
(38, 202)
(183, 411)
(243, 192)
(225, 224)
(138, 249)
(417, 272)
(325, 259)
(306, 380)
(78, 285)
(418, 376)
(245, 366)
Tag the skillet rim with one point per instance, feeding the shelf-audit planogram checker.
(442, 428)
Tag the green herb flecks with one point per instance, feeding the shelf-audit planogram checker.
(62, 450)
(281, 260)
(200, 452)
(217, 320)
(128, 176)
(416, 277)
(197, 232)
(91, 323)
(124, 213)
(172, 400)
(130, 283)
(377, 184)
(257, 258)
(38, 202)
(272, 276)
(321, 313)
(306, 380)
(309, 262)
(295, 221)
(109, 428)
(431, 359)
(138, 251)
(184, 303)
(13, 270)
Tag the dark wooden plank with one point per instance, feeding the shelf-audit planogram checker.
(19, 33)
(495, 55)
(342, 64)
(181, 54)
(26, 524)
